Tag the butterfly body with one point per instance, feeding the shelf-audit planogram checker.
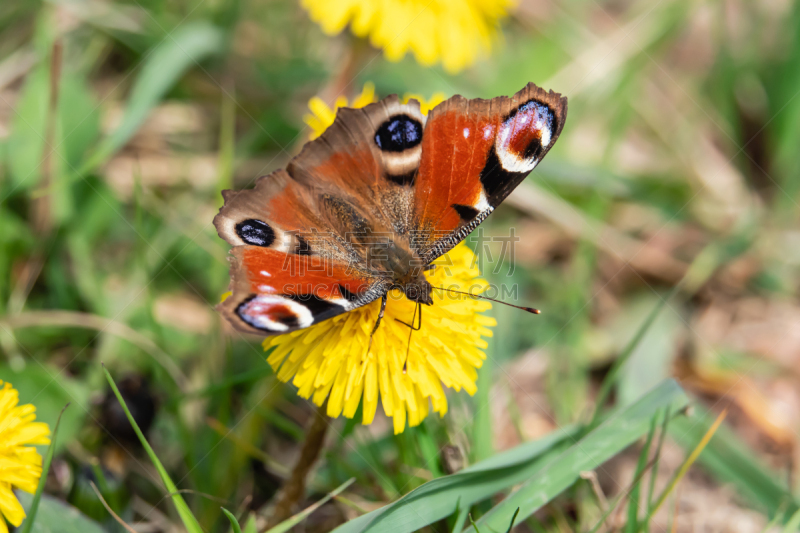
(406, 270)
(369, 205)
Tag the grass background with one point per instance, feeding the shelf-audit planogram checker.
(679, 161)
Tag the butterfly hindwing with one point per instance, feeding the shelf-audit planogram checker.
(275, 292)
(290, 267)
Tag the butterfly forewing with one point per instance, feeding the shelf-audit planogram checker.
(474, 153)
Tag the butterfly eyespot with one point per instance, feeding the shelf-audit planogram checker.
(273, 314)
(399, 133)
(524, 135)
(523, 138)
(255, 232)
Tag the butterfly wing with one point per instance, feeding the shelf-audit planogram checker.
(367, 160)
(383, 175)
(343, 200)
(290, 267)
(274, 292)
(474, 153)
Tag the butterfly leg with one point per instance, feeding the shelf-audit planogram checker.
(410, 331)
(378, 322)
(419, 326)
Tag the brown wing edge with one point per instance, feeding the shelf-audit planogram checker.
(246, 200)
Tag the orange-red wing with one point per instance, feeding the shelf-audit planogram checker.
(474, 153)
(367, 159)
(284, 215)
(275, 292)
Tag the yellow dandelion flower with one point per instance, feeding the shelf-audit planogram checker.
(20, 463)
(322, 115)
(453, 32)
(330, 359)
(425, 105)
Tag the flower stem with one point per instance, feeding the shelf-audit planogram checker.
(295, 487)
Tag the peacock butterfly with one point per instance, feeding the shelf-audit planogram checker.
(371, 203)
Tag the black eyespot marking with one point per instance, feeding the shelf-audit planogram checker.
(288, 320)
(399, 133)
(283, 316)
(536, 106)
(466, 212)
(320, 308)
(255, 232)
(242, 307)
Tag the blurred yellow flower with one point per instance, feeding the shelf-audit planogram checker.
(453, 32)
(20, 463)
(330, 359)
(425, 105)
(322, 115)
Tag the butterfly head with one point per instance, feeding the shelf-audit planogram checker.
(418, 290)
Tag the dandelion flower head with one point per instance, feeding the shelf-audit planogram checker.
(453, 32)
(322, 115)
(331, 359)
(20, 463)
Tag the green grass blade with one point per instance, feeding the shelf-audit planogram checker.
(287, 525)
(234, 523)
(429, 449)
(444, 496)
(654, 471)
(250, 526)
(613, 505)
(513, 519)
(793, 525)
(731, 462)
(37, 497)
(461, 516)
(611, 437)
(773, 524)
(188, 44)
(473, 524)
(188, 519)
(56, 516)
(685, 466)
(635, 497)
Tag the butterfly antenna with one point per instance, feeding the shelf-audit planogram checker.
(523, 308)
